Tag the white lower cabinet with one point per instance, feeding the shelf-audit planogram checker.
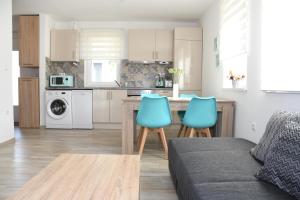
(116, 105)
(107, 105)
(82, 109)
(101, 106)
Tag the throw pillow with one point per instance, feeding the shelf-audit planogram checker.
(274, 127)
(282, 163)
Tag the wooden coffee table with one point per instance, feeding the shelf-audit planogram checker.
(85, 176)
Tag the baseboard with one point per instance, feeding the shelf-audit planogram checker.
(108, 126)
(12, 140)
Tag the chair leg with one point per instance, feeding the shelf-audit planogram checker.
(180, 130)
(163, 140)
(139, 137)
(186, 132)
(192, 132)
(207, 132)
(143, 140)
(198, 132)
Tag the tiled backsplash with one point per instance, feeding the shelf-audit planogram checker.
(131, 74)
(140, 74)
(68, 68)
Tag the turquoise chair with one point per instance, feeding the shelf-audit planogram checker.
(181, 112)
(154, 114)
(201, 115)
(149, 95)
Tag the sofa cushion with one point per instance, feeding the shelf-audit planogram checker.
(274, 127)
(282, 163)
(184, 145)
(252, 190)
(215, 166)
(199, 167)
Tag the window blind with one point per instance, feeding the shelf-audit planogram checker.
(234, 28)
(280, 45)
(101, 44)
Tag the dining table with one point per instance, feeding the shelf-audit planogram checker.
(130, 106)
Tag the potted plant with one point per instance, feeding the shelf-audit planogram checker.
(235, 78)
(176, 72)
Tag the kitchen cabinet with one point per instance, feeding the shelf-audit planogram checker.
(188, 33)
(82, 109)
(29, 41)
(64, 45)
(29, 103)
(141, 45)
(150, 45)
(101, 106)
(164, 45)
(188, 57)
(107, 105)
(116, 97)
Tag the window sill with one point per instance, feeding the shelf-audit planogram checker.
(281, 91)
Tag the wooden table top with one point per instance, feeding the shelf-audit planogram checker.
(172, 99)
(85, 176)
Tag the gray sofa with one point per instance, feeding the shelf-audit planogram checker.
(218, 169)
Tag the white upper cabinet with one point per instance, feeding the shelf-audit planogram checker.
(188, 57)
(184, 33)
(141, 45)
(164, 45)
(150, 45)
(64, 45)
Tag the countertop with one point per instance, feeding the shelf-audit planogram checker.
(107, 88)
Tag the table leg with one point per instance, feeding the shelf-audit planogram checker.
(127, 128)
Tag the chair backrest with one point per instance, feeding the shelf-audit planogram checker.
(201, 112)
(187, 96)
(154, 112)
(150, 95)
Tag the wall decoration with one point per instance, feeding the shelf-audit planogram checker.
(216, 44)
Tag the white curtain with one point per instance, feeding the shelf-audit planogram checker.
(280, 45)
(101, 44)
(234, 28)
(234, 40)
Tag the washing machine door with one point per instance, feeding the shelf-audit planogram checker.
(57, 108)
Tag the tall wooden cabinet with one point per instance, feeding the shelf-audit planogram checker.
(29, 103)
(188, 57)
(150, 45)
(29, 41)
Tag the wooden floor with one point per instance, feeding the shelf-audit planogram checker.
(34, 149)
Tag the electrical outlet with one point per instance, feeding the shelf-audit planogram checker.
(253, 126)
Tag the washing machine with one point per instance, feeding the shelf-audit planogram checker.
(59, 109)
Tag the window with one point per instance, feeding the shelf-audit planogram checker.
(15, 77)
(280, 45)
(234, 42)
(102, 51)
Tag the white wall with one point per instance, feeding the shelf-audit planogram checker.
(254, 105)
(46, 23)
(6, 107)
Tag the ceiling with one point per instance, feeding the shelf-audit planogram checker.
(115, 10)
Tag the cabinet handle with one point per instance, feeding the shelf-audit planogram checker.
(27, 64)
(111, 95)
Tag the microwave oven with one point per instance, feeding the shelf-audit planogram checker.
(61, 80)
